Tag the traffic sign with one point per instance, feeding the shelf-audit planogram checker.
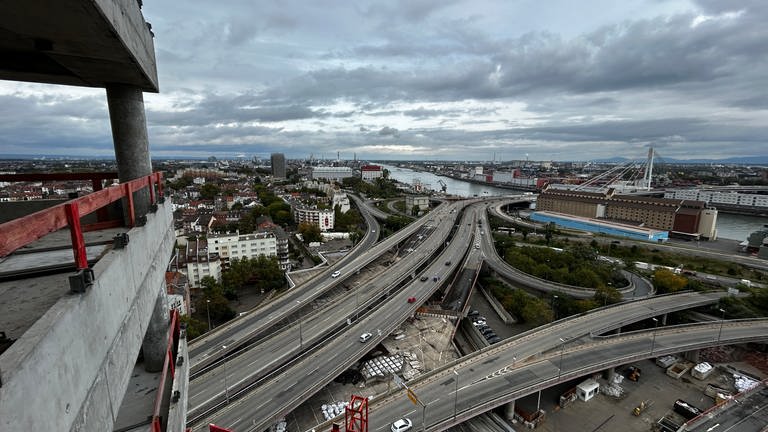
(412, 396)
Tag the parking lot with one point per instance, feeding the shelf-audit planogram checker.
(608, 413)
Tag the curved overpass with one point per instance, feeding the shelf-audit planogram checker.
(284, 391)
(378, 214)
(637, 285)
(490, 381)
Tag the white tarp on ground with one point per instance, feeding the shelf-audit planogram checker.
(744, 383)
(381, 367)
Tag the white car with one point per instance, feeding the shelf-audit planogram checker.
(365, 337)
(402, 425)
(335, 274)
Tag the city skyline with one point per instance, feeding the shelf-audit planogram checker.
(429, 80)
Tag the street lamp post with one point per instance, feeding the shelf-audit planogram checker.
(562, 350)
(301, 338)
(554, 301)
(722, 320)
(655, 326)
(208, 310)
(455, 395)
(226, 386)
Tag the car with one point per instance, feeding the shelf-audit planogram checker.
(402, 425)
(365, 337)
(473, 313)
(479, 323)
(373, 231)
(411, 299)
(435, 278)
(335, 274)
(424, 278)
(494, 340)
(447, 263)
(487, 331)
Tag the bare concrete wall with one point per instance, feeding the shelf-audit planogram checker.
(70, 370)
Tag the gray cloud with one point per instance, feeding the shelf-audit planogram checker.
(389, 131)
(452, 78)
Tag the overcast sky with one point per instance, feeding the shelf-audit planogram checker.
(430, 79)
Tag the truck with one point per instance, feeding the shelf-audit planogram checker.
(686, 410)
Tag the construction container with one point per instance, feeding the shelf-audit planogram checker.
(678, 369)
(702, 370)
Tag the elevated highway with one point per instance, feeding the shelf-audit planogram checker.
(208, 348)
(575, 330)
(378, 214)
(280, 391)
(314, 361)
(491, 379)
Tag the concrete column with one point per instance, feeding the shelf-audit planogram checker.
(129, 133)
(509, 411)
(664, 319)
(610, 374)
(692, 356)
(155, 341)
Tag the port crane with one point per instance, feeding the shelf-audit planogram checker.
(443, 186)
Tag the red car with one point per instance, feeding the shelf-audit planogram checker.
(411, 299)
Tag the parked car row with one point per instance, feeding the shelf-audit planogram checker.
(482, 326)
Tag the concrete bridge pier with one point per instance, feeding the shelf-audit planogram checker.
(692, 355)
(664, 319)
(610, 374)
(129, 133)
(509, 411)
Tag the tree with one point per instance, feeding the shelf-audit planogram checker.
(310, 232)
(549, 229)
(209, 191)
(606, 295)
(665, 281)
(213, 300)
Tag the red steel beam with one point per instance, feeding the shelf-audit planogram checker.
(24, 230)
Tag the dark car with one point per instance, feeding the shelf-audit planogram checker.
(424, 278)
(447, 263)
(494, 340)
(411, 299)
(488, 332)
(473, 313)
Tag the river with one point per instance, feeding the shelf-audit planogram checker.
(729, 226)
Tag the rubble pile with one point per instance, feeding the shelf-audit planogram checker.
(718, 354)
(743, 383)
